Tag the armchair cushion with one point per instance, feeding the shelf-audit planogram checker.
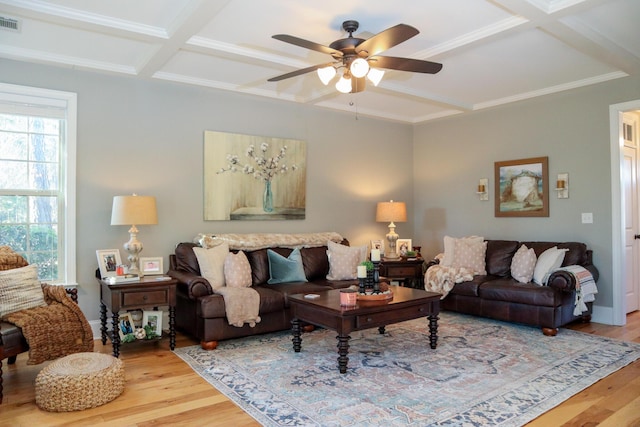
(20, 289)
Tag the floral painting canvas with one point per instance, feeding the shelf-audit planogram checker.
(249, 177)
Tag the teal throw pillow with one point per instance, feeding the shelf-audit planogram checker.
(283, 270)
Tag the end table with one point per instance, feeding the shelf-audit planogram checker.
(150, 291)
(408, 271)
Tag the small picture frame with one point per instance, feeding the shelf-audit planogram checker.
(151, 266)
(403, 246)
(153, 318)
(125, 325)
(378, 244)
(108, 261)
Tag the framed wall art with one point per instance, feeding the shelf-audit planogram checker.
(250, 177)
(522, 187)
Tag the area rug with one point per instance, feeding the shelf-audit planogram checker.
(482, 372)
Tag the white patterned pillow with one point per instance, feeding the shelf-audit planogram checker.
(449, 248)
(344, 260)
(211, 262)
(20, 289)
(237, 270)
(470, 253)
(523, 264)
(548, 261)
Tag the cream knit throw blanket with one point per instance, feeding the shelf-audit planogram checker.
(442, 279)
(242, 305)
(255, 241)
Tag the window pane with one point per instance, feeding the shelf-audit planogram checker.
(13, 146)
(44, 125)
(43, 237)
(44, 148)
(13, 175)
(13, 122)
(44, 176)
(44, 209)
(47, 264)
(14, 236)
(13, 209)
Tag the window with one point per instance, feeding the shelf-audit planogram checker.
(37, 178)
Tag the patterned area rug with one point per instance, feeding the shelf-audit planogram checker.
(483, 372)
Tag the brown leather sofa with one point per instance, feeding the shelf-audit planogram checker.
(498, 296)
(201, 313)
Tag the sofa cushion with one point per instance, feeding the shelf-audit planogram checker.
(237, 271)
(471, 287)
(507, 289)
(259, 262)
(315, 262)
(186, 259)
(577, 254)
(470, 253)
(450, 248)
(285, 269)
(212, 306)
(20, 289)
(547, 262)
(211, 262)
(499, 255)
(523, 264)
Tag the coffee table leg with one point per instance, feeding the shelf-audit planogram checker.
(343, 351)
(297, 340)
(381, 330)
(433, 330)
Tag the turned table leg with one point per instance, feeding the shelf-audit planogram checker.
(115, 335)
(103, 323)
(297, 339)
(343, 351)
(433, 330)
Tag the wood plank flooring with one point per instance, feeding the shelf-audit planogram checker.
(161, 390)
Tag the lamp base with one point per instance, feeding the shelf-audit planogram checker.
(133, 247)
(392, 238)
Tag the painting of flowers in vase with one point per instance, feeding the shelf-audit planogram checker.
(249, 177)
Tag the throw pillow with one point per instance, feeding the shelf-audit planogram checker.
(211, 262)
(548, 261)
(20, 289)
(523, 264)
(449, 248)
(237, 271)
(283, 270)
(470, 253)
(344, 260)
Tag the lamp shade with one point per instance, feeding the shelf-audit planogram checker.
(391, 212)
(134, 210)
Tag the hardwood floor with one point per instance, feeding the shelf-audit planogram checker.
(162, 390)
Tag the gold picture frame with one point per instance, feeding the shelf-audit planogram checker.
(522, 187)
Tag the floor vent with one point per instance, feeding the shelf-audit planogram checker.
(9, 24)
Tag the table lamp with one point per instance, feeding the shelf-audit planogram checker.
(391, 212)
(134, 210)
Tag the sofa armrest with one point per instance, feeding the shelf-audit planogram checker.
(566, 281)
(430, 263)
(195, 286)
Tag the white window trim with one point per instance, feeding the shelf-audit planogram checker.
(69, 101)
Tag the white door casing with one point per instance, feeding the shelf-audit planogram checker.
(631, 216)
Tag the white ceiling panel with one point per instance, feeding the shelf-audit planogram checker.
(493, 51)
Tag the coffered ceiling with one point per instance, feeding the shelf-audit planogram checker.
(493, 51)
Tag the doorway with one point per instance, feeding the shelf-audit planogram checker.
(620, 266)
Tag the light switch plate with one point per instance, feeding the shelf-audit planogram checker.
(587, 218)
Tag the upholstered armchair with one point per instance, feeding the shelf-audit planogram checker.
(22, 296)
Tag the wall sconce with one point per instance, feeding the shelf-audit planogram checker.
(483, 189)
(562, 186)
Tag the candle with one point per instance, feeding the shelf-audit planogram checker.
(362, 271)
(560, 183)
(375, 255)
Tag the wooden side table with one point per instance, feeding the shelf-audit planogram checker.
(407, 271)
(148, 292)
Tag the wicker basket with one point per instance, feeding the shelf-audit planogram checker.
(79, 381)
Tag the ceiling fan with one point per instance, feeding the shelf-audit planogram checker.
(359, 57)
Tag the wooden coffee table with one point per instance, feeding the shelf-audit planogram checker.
(326, 311)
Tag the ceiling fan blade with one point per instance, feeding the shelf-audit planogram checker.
(307, 44)
(299, 72)
(387, 39)
(358, 84)
(405, 64)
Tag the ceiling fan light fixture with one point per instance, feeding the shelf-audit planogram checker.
(326, 74)
(344, 85)
(375, 75)
(359, 67)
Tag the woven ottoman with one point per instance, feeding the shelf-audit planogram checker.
(79, 381)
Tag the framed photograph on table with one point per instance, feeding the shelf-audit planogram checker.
(150, 266)
(125, 325)
(108, 261)
(403, 246)
(153, 318)
(378, 244)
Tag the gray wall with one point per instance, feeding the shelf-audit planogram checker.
(147, 137)
(571, 128)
